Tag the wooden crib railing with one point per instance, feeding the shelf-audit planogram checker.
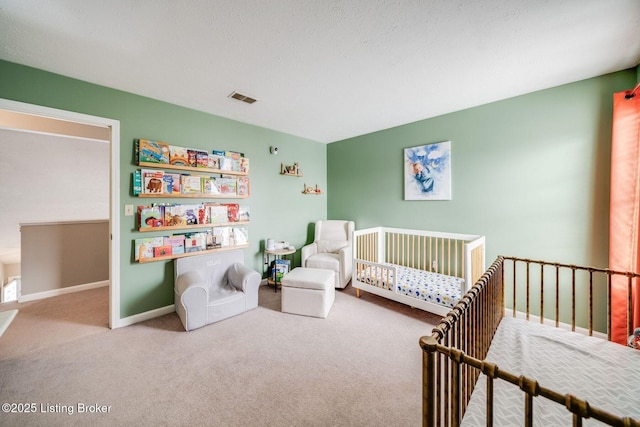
(453, 356)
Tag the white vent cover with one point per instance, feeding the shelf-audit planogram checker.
(241, 97)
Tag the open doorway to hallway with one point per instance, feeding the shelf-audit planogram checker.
(80, 156)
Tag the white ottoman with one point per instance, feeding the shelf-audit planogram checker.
(308, 291)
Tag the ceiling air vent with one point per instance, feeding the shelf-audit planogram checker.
(241, 97)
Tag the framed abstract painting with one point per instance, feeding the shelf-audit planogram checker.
(427, 172)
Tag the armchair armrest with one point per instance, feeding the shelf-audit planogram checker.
(247, 280)
(189, 280)
(346, 259)
(306, 252)
(243, 278)
(191, 297)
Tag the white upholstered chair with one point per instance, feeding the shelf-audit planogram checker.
(331, 249)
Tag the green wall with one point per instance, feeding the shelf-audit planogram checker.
(278, 207)
(531, 173)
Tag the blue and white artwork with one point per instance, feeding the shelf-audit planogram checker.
(427, 172)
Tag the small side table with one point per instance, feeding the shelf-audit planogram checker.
(277, 254)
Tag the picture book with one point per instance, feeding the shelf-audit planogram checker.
(203, 214)
(167, 184)
(244, 165)
(191, 213)
(243, 186)
(151, 216)
(243, 213)
(218, 214)
(175, 181)
(178, 156)
(234, 155)
(210, 185)
(144, 247)
(222, 236)
(280, 268)
(202, 159)
(226, 163)
(137, 182)
(175, 216)
(214, 161)
(164, 250)
(228, 186)
(176, 241)
(153, 151)
(193, 155)
(190, 184)
(219, 153)
(152, 181)
(194, 242)
(233, 210)
(240, 236)
(211, 243)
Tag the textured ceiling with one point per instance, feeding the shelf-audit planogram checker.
(324, 70)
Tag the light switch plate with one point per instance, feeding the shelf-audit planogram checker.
(128, 210)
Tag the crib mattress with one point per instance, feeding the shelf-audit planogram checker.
(423, 285)
(603, 373)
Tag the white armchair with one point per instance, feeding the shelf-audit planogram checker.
(331, 249)
(213, 287)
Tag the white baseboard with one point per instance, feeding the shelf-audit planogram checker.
(61, 291)
(147, 315)
(532, 318)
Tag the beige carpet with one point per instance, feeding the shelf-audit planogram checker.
(361, 366)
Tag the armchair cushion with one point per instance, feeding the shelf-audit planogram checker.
(331, 246)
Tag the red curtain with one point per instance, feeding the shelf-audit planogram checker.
(624, 238)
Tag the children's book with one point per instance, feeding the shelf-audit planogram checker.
(137, 182)
(228, 186)
(222, 236)
(164, 250)
(244, 165)
(151, 216)
(214, 161)
(153, 151)
(178, 156)
(202, 159)
(195, 242)
(167, 184)
(176, 242)
(175, 215)
(203, 214)
(152, 181)
(191, 184)
(210, 185)
(244, 213)
(240, 236)
(175, 181)
(232, 211)
(218, 214)
(226, 163)
(280, 268)
(243, 186)
(144, 247)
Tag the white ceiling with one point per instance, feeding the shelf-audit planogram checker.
(324, 70)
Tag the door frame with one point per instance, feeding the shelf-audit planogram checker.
(114, 187)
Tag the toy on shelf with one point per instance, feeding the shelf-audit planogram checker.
(311, 190)
(293, 170)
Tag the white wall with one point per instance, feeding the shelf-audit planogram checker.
(50, 178)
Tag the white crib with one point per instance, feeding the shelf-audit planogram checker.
(424, 269)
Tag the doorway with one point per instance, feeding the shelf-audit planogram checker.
(50, 121)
